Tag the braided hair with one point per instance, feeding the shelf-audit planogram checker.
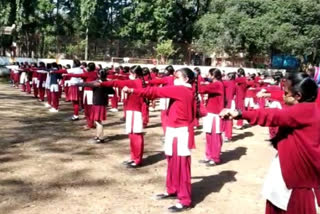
(192, 79)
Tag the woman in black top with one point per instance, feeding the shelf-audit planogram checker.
(100, 102)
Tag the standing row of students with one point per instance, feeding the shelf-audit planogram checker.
(286, 105)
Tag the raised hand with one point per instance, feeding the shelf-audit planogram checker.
(229, 114)
(127, 90)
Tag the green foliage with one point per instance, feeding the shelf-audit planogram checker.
(252, 27)
(165, 49)
(258, 27)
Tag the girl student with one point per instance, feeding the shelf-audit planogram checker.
(274, 94)
(145, 106)
(212, 124)
(42, 76)
(88, 76)
(241, 88)
(35, 79)
(134, 123)
(165, 81)
(100, 101)
(293, 181)
(230, 89)
(179, 137)
(75, 92)
(54, 87)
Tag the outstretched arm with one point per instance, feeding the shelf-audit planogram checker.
(289, 117)
(173, 92)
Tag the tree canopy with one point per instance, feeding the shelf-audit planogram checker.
(137, 27)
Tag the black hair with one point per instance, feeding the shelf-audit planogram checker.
(216, 73)
(187, 72)
(54, 65)
(103, 74)
(68, 66)
(41, 64)
(301, 83)
(76, 63)
(139, 72)
(91, 67)
(154, 70)
(49, 66)
(146, 72)
(241, 72)
(84, 64)
(278, 77)
(100, 66)
(126, 69)
(197, 69)
(170, 70)
(232, 75)
(59, 66)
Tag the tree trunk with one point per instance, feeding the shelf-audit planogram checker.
(87, 44)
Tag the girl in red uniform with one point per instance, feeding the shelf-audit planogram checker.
(42, 76)
(145, 106)
(212, 124)
(134, 124)
(35, 79)
(164, 102)
(241, 88)
(75, 92)
(89, 76)
(179, 138)
(230, 89)
(292, 184)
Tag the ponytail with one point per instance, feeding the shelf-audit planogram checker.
(196, 97)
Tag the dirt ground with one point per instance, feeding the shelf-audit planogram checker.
(49, 166)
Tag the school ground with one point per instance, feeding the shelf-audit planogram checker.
(48, 165)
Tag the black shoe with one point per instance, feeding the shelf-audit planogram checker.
(164, 196)
(128, 162)
(178, 208)
(204, 161)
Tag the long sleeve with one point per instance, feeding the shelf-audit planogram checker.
(241, 80)
(161, 81)
(61, 71)
(83, 75)
(277, 95)
(212, 88)
(294, 117)
(107, 84)
(173, 92)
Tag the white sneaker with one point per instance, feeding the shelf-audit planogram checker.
(47, 105)
(53, 110)
(152, 109)
(74, 118)
(113, 110)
